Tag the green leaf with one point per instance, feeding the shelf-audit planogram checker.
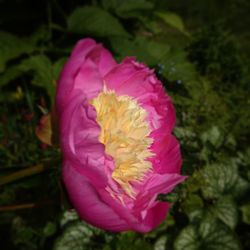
(95, 21)
(77, 236)
(12, 47)
(160, 244)
(245, 209)
(128, 8)
(225, 209)
(210, 234)
(173, 20)
(10, 74)
(221, 179)
(188, 239)
(43, 72)
(49, 229)
(68, 217)
(146, 50)
(76, 233)
(176, 67)
(192, 203)
(213, 136)
(131, 241)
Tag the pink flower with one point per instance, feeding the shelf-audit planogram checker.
(115, 131)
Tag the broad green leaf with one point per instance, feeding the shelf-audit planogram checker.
(91, 20)
(215, 236)
(131, 241)
(245, 209)
(160, 244)
(145, 50)
(128, 8)
(213, 135)
(45, 74)
(12, 47)
(126, 47)
(76, 233)
(173, 20)
(68, 217)
(176, 67)
(225, 209)
(174, 64)
(220, 179)
(10, 74)
(42, 69)
(49, 229)
(241, 187)
(192, 203)
(210, 234)
(188, 239)
(76, 236)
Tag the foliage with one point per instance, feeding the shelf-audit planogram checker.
(206, 73)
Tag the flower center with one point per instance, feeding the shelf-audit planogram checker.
(125, 134)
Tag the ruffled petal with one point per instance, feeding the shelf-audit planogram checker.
(136, 80)
(88, 79)
(154, 185)
(65, 83)
(155, 216)
(88, 202)
(102, 58)
(121, 73)
(161, 183)
(167, 154)
(79, 133)
(84, 70)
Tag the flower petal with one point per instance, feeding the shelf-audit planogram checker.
(122, 72)
(154, 185)
(136, 80)
(79, 139)
(167, 154)
(84, 70)
(103, 58)
(162, 183)
(88, 79)
(66, 80)
(155, 216)
(88, 202)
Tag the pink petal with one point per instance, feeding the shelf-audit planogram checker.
(155, 216)
(88, 79)
(162, 183)
(79, 139)
(88, 203)
(154, 185)
(84, 70)
(82, 48)
(66, 80)
(136, 80)
(103, 58)
(168, 156)
(121, 73)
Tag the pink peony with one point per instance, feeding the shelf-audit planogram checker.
(115, 133)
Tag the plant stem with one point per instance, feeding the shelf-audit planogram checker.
(22, 173)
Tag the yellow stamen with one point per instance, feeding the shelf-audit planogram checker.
(125, 134)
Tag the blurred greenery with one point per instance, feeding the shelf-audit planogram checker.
(200, 51)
